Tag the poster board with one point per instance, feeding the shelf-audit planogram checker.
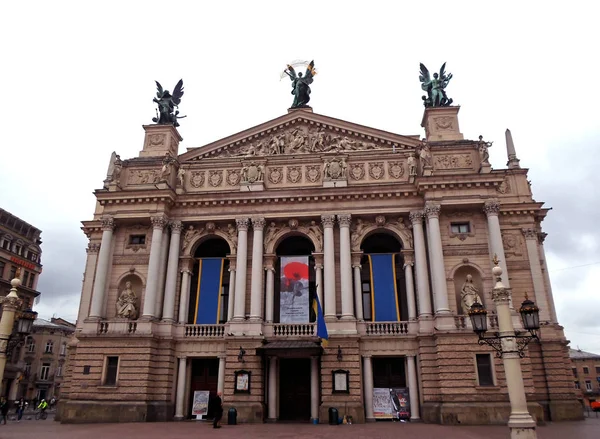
(294, 294)
(200, 404)
(391, 403)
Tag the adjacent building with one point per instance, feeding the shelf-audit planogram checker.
(203, 269)
(586, 375)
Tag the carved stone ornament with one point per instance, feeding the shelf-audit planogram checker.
(313, 173)
(501, 295)
(453, 161)
(270, 234)
(380, 220)
(491, 207)
(159, 222)
(504, 187)
(258, 223)
(357, 171)
(215, 177)
(396, 169)
(197, 179)
(127, 303)
(314, 231)
(356, 235)
(142, 176)
(335, 169)
(93, 247)
(156, 140)
(416, 217)
(530, 233)
(443, 123)
(176, 226)
(242, 223)
(275, 174)
(108, 223)
(327, 220)
(432, 210)
(344, 219)
(252, 173)
(294, 174)
(233, 177)
(376, 170)
(293, 224)
(189, 236)
(210, 227)
(232, 232)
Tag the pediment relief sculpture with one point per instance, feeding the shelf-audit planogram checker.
(335, 169)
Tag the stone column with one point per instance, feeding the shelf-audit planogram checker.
(162, 275)
(221, 374)
(171, 283)
(410, 285)
(368, 386)
(239, 312)
(319, 276)
(314, 388)
(438, 270)
(184, 294)
(541, 299)
(158, 224)
(344, 220)
(416, 219)
(270, 290)
(231, 299)
(88, 282)
(413, 388)
(272, 395)
(358, 305)
(99, 291)
(180, 398)
(542, 237)
(256, 288)
(492, 209)
(329, 264)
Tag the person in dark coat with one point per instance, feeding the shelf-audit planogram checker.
(21, 404)
(3, 410)
(218, 404)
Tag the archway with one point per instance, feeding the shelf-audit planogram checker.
(213, 249)
(381, 243)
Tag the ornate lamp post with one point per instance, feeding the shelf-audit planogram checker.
(11, 336)
(509, 345)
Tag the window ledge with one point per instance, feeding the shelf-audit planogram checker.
(488, 388)
(104, 387)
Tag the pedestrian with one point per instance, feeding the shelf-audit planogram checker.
(218, 404)
(3, 410)
(52, 402)
(21, 404)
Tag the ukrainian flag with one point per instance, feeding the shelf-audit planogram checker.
(321, 326)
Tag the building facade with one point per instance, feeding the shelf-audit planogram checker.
(586, 375)
(19, 249)
(202, 268)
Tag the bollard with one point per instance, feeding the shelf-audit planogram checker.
(232, 416)
(333, 416)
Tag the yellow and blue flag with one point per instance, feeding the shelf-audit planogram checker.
(321, 326)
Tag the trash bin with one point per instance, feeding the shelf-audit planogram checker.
(232, 416)
(333, 416)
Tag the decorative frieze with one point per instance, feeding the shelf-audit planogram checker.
(275, 174)
(376, 170)
(294, 174)
(233, 177)
(396, 169)
(215, 177)
(142, 176)
(197, 179)
(313, 173)
(357, 171)
(453, 161)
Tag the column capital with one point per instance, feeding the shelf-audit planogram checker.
(108, 223)
(409, 258)
(175, 226)
(258, 223)
(367, 356)
(269, 260)
(491, 207)
(93, 247)
(344, 219)
(242, 223)
(416, 216)
(356, 257)
(159, 221)
(232, 262)
(318, 258)
(187, 263)
(542, 237)
(222, 357)
(530, 233)
(327, 220)
(501, 295)
(432, 210)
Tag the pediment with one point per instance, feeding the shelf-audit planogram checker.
(301, 132)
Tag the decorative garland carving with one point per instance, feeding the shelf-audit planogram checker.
(396, 169)
(275, 174)
(197, 179)
(313, 173)
(376, 170)
(357, 171)
(215, 177)
(233, 177)
(294, 174)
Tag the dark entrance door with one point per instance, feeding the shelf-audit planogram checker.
(389, 372)
(294, 389)
(205, 375)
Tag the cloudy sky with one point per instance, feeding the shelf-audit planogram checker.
(78, 82)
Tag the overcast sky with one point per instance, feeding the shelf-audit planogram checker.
(78, 84)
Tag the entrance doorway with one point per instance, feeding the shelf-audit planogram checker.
(294, 389)
(388, 372)
(205, 376)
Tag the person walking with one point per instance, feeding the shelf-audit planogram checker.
(3, 410)
(218, 404)
(21, 404)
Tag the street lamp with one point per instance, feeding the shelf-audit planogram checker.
(510, 346)
(12, 335)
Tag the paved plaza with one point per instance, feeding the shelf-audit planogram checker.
(590, 428)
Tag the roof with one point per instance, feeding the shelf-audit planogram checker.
(41, 323)
(578, 354)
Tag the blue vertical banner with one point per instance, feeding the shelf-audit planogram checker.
(384, 296)
(208, 294)
(321, 325)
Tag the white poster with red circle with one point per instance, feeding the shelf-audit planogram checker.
(294, 294)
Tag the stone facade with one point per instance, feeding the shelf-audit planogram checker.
(586, 375)
(335, 192)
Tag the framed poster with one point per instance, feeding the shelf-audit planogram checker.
(200, 404)
(341, 381)
(242, 381)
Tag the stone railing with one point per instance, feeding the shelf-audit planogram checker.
(102, 327)
(294, 329)
(204, 331)
(386, 328)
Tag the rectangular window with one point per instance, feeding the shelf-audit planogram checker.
(588, 385)
(13, 272)
(597, 370)
(18, 249)
(31, 347)
(6, 245)
(63, 349)
(577, 387)
(86, 370)
(460, 228)
(33, 256)
(366, 300)
(49, 346)
(224, 304)
(25, 277)
(31, 278)
(27, 369)
(59, 370)
(137, 239)
(586, 370)
(574, 371)
(45, 371)
(110, 372)
(484, 370)
(2, 264)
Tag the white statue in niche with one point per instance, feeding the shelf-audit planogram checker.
(469, 294)
(127, 303)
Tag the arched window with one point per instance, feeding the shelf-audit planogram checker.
(382, 244)
(49, 347)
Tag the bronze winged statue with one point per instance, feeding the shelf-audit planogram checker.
(435, 87)
(168, 104)
(300, 84)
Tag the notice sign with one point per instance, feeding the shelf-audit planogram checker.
(200, 404)
(391, 403)
(293, 301)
